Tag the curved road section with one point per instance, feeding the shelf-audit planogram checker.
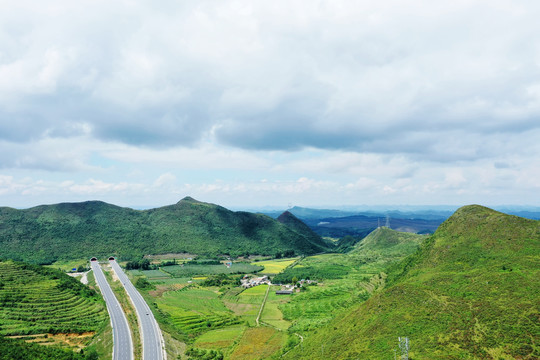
(151, 337)
(123, 345)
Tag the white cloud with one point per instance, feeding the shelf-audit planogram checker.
(329, 101)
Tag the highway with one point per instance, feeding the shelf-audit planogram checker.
(123, 344)
(151, 337)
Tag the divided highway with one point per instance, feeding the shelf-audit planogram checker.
(152, 340)
(123, 344)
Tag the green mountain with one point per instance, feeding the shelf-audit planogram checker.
(47, 233)
(296, 225)
(470, 292)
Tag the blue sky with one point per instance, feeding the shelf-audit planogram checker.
(242, 103)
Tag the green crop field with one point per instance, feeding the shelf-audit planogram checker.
(151, 274)
(195, 311)
(170, 281)
(246, 303)
(201, 270)
(220, 338)
(274, 266)
(271, 314)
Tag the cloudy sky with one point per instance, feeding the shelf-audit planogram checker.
(253, 103)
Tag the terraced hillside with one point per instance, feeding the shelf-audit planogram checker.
(36, 300)
(48, 233)
(470, 292)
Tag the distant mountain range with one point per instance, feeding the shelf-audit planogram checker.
(47, 233)
(469, 292)
(426, 212)
(421, 219)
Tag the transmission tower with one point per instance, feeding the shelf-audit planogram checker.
(404, 347)
(388, 221)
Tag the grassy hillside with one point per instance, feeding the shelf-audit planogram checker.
(344, 279)
(37, 302)
(12, 349)
(76, 230)
(470, 292)
(389, 241)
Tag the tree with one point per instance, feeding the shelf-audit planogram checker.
(145, 264)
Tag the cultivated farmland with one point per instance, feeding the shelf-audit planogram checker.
(194, 270)
(275, 266)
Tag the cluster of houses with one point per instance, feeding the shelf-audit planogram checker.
(248, 282)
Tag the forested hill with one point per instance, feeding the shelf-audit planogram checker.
(469, 292)
(47, 233)
(301, 229)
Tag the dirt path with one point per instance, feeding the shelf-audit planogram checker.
(84, 278)
(300, 343)
(262, 305)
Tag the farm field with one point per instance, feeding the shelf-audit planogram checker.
(246, 303)
(259, 343)
(223, 319)
(194, 311)
(221, 338)
(271, 314)
(274, 266)
(151, 274)
(203, 270)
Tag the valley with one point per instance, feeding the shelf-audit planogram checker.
(467, 291)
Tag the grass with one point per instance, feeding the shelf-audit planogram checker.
(344, 279)
(68, 265)
(102, 342)
(221, 338)
(275, 266)
(259, 343)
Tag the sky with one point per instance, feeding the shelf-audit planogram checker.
(274, 103)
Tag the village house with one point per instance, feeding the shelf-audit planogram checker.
(247, 282)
